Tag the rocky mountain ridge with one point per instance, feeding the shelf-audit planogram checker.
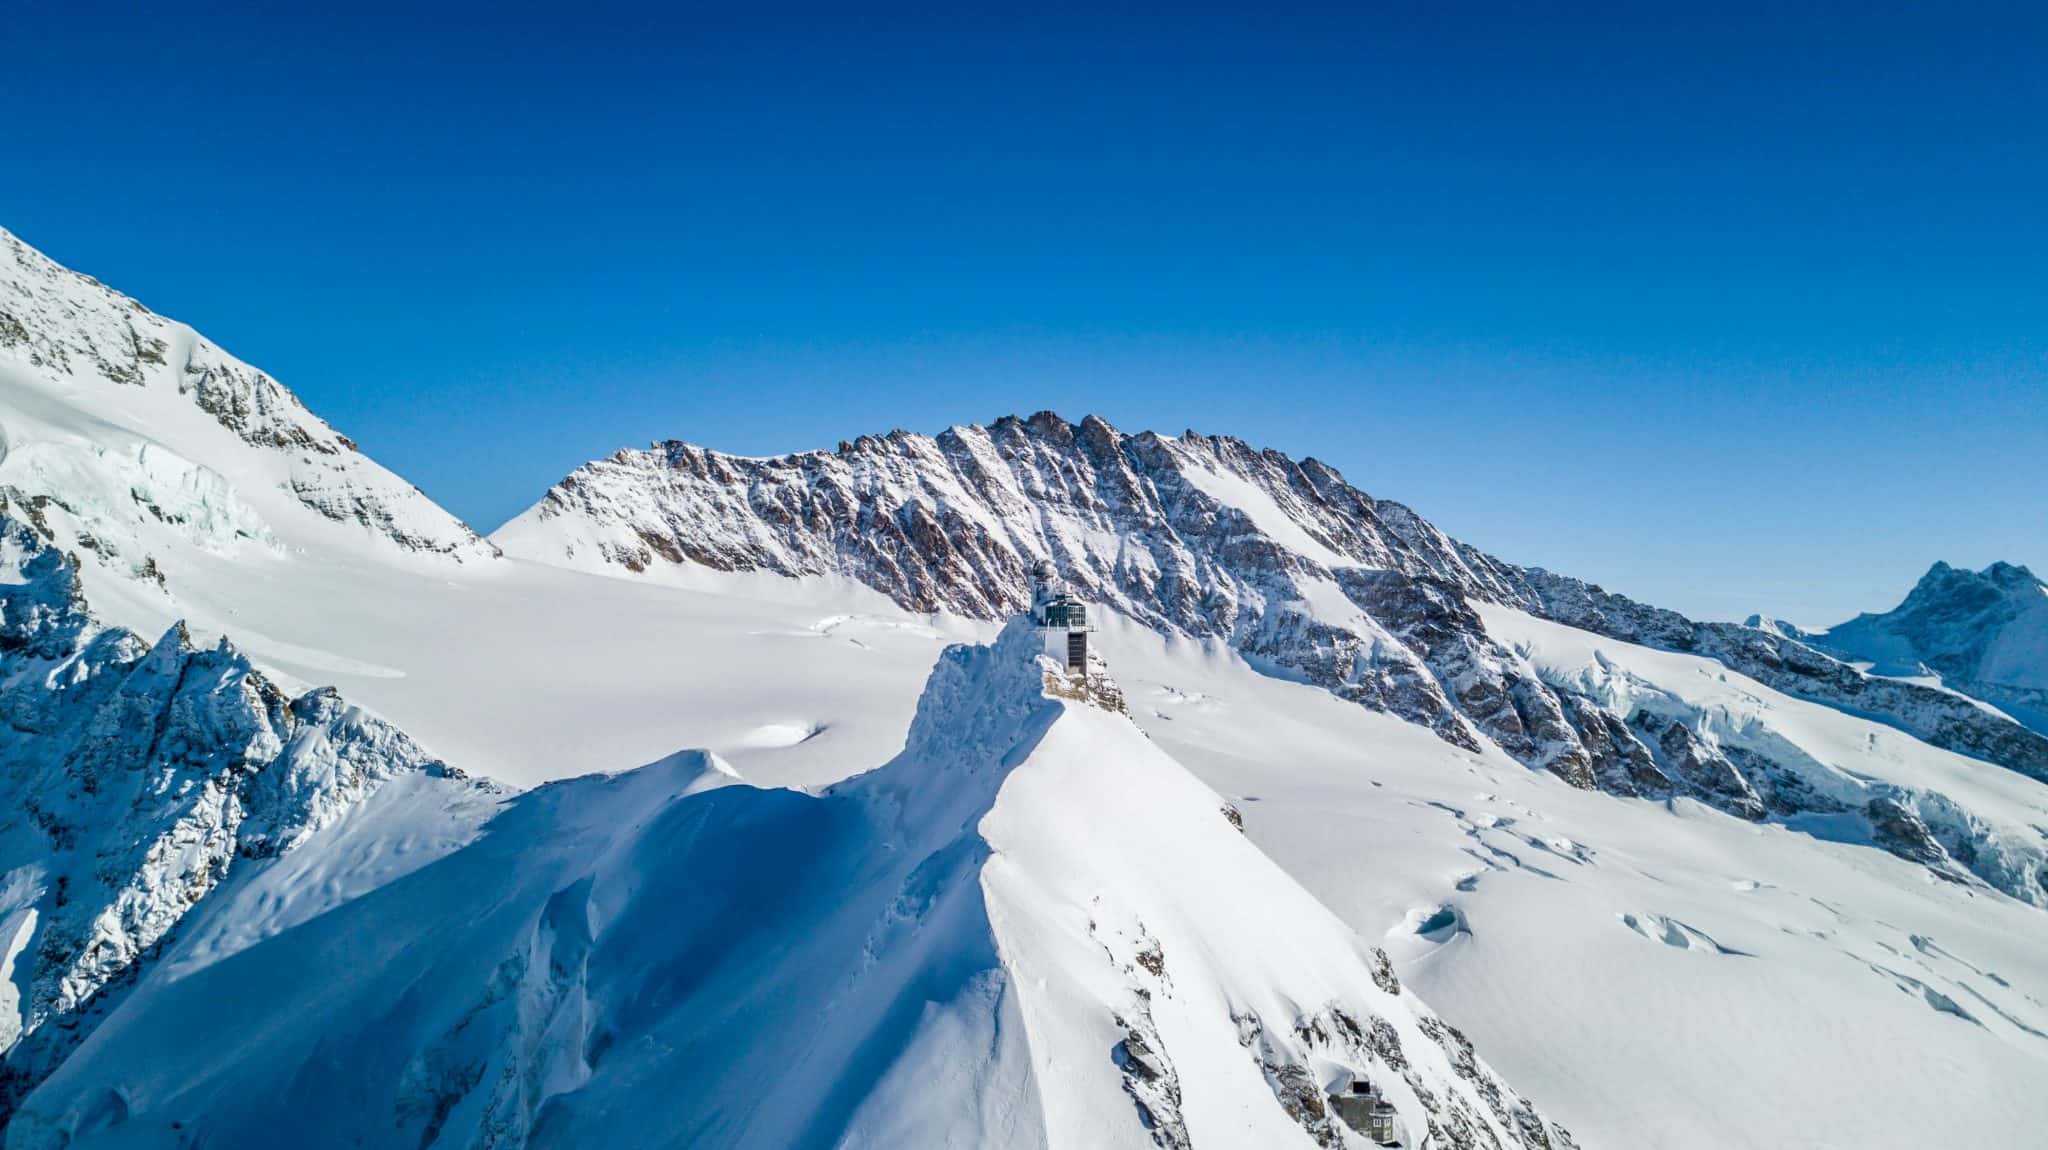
(1283, 560)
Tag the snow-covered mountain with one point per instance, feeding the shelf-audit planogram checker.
(1983, 633)
(134, 441)
(915, 890)
(1292, 566)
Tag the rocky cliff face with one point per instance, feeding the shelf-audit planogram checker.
(1208, 537)
(86, 369)
(133, 777)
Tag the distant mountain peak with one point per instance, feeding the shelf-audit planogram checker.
(1999, 587)
(2000, 574)
(1984, 632)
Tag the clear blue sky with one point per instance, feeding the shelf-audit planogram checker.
(1727, 307)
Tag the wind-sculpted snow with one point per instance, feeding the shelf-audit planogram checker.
(134, 776)
(1292, 566)
(106, 410)
(1030, 929)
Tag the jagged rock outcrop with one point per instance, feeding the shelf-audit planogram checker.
(133, 778)
(1150, 1080)
(1208, 537)
(1699, 764)
(1621, 764)
(1901, 830)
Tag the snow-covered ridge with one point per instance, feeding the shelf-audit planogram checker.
(136, 777)
(140, 438)
(943, 522)
(1032, 928)
(1776, 657)
(1025, 931)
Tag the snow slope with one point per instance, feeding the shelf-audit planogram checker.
(196, 490)
(1657, 973)
(1032, 928)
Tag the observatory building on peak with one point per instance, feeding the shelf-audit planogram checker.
(1062, 620)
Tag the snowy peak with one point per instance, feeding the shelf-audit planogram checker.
(1956, 595)
(1984, 632)
(66, 324)
(951, 522)
(1201, 536)
(141, 444)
